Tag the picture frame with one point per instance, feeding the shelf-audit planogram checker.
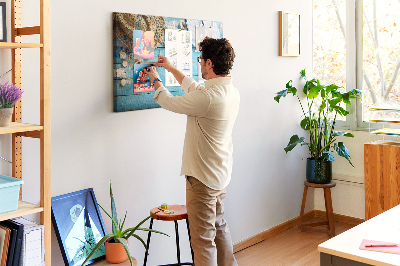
(289, 34)
(78, 225)
(3, 22)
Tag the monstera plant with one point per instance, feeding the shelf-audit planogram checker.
(324, 103)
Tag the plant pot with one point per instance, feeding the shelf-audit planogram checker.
(319, 172)
(115, 252)
(6, 116)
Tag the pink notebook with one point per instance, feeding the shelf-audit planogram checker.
(393, 249)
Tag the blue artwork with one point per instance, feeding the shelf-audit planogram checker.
(138, 40)
(78, 226)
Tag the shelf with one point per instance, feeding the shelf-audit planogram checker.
(16, 127)
(9, 45)
(24, 208)
(385, 120)
(387, 131)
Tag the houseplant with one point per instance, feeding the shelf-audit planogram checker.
(117, 241)
(9, 95)
(324, 105)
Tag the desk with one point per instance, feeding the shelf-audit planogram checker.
(344, 248)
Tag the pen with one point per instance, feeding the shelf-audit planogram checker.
(382, 244)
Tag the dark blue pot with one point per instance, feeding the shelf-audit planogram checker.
(319, 172)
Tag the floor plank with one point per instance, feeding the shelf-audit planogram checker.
(288, 248)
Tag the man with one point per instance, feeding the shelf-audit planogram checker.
(207, 154)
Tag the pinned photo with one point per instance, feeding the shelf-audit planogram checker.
(201, 33)
(143, 44)
(141, 81)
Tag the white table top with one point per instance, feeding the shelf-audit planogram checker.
(384, 227)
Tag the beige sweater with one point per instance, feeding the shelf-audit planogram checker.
(211, 113)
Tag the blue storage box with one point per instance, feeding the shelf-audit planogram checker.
(9, 193)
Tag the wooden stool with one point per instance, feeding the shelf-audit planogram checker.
(180, 213)
(328, 207)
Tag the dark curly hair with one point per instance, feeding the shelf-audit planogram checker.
(220, 52)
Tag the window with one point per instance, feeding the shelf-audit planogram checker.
(363, 53)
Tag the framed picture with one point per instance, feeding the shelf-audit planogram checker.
(78, 226)
(289, 34)
(3, 27)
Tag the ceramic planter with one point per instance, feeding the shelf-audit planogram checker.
(6, 116)
(115, 252)
(319, 172)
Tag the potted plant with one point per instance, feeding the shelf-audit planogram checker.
(324, 105)
(9, 95)
(116, 243)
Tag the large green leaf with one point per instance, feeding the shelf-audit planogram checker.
(331, 88)
(343, 151)
(305, 123)
(102, 240)
(313, 92)
(113, 211)
(294, 140)
(346, 98)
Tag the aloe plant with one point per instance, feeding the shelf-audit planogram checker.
(119, 234)
(320, 124)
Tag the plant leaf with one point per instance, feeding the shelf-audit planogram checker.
(305, 123)
(126, 247)
(102, 240)
(294, 140)
(113, 211)
(343, 151)
(152, 230)
(349, 135)
(346, 98)
(137, 226)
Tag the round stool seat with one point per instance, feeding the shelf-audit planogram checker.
(180, 213)
(308, 184)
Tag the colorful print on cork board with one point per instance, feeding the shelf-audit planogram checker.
(138, 40)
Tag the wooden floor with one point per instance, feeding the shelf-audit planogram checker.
(290, 247)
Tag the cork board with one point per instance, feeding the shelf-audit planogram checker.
(138, 40)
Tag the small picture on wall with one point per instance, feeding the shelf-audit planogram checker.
(141, 81)
(143, 44)
(3, 28)
(289, 34)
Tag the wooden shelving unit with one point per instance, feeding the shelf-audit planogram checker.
(42, 131)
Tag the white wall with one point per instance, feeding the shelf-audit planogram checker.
(140, 151)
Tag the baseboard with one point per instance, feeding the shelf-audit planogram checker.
(340, 218)
(289, 224)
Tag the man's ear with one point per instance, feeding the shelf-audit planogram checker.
(209, 63)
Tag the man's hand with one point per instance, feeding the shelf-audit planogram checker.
(165, 63)
(152, 72)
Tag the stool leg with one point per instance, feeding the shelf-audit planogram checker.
(178, 252)
(329, 211)
(303, 204)
(190, 240)
(148, 242)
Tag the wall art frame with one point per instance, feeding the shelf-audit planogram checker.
(289, 34)
(78, 225)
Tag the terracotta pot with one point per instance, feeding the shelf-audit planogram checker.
(5, 116)
(115, 252)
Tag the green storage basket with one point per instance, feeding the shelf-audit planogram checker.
(9, 193)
